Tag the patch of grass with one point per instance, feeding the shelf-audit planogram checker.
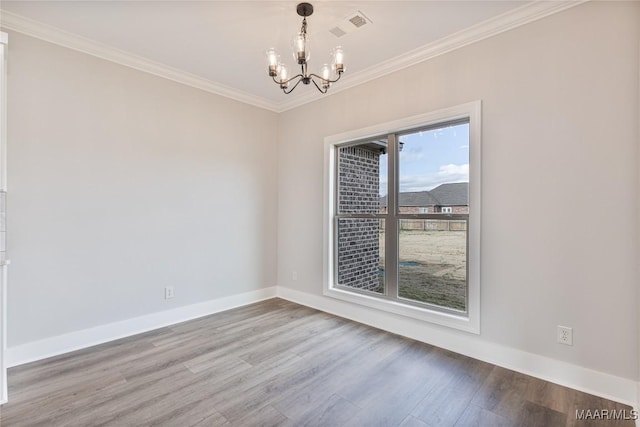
(418, 284)
(433, 268)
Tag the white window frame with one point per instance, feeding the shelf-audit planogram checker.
(446, 209)
(469, 321)
(4, 39)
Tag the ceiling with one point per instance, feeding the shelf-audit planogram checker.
(221, 44)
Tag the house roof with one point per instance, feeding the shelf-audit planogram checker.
(414, 198)
(451, 194)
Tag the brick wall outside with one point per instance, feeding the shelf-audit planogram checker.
(427, 209)
(358, 242)
(415, 209)
(455, 209)
(431, 209)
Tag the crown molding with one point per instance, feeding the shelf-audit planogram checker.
(509, 20)
(21, 24)
(504, 22)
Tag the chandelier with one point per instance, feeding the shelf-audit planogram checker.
(280, 74)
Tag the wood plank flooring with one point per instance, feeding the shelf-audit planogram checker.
(277, 363)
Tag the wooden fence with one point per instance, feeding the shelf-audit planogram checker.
(430, 225)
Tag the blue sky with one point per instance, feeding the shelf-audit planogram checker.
(431, 158)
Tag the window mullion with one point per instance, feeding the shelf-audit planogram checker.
(391, 224)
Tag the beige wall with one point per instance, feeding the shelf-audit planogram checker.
(122, 183)
(560, 128)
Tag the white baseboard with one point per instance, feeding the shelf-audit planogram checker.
(608, 386)
(61, 344)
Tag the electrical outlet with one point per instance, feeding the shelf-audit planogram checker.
(565, 335)
(168, 292)
(294, 275)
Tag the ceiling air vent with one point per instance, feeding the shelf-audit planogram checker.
(337, 31)
(351, 23)
(358, 21)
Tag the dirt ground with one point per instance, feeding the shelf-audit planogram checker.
(432, 267)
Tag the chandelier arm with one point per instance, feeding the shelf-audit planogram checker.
(281, 82)
(328, 80)
(318, 87)
(287, 92)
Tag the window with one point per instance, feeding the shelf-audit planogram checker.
(384, 247)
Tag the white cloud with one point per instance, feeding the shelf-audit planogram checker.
(447, 174)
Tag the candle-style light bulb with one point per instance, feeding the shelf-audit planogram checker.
(272, 62)
(326, 75)
(283, 73)
(338, 60)
(300, 50)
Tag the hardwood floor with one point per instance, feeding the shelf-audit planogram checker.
(277, 363)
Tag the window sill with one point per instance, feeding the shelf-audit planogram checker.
(467, 323)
